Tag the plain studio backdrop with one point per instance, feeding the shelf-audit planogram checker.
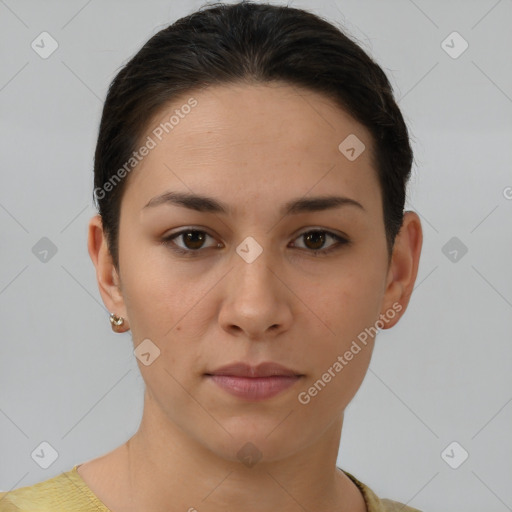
(430, 425)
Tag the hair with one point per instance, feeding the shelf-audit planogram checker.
(249, 43)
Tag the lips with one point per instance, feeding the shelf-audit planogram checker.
(262, 370)
(254, 382)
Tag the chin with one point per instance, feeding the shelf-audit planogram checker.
(252, 442)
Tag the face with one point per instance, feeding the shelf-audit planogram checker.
(243, 279)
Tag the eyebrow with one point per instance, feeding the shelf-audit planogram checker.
(202, 203)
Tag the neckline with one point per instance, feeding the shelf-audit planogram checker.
(370, 499)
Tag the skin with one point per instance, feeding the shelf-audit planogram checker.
(253, 147)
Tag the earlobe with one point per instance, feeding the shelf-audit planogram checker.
(106, 274)
(404, 266)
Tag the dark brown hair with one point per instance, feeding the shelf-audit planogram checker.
(249, 42)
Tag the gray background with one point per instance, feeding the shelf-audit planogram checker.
(441, 375)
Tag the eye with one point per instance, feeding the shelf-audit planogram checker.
(193, 240)
(315, 239)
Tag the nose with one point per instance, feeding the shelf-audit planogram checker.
(257, 302)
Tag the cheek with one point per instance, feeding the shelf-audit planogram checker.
(344, 305)
(173, 309)
(158, 294)
(338, 349)
(333, 386)
(340, 315)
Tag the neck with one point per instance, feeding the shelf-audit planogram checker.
(167, 469)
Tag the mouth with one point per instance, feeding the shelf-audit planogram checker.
(254, 383)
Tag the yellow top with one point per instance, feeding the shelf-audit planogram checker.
(68, 492)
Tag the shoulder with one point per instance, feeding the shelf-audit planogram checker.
(62, 492)
(376, 504)
(39, 497)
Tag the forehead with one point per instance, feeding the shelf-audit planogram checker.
(249, 140)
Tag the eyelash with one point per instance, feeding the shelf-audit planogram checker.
(168, 242)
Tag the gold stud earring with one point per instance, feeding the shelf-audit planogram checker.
(116, 322)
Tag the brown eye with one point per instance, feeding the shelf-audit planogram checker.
(314, 240)
(192, 240)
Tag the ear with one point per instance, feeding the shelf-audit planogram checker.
(403, 267)
(109, 282)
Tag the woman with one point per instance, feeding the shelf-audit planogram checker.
(250, 175)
